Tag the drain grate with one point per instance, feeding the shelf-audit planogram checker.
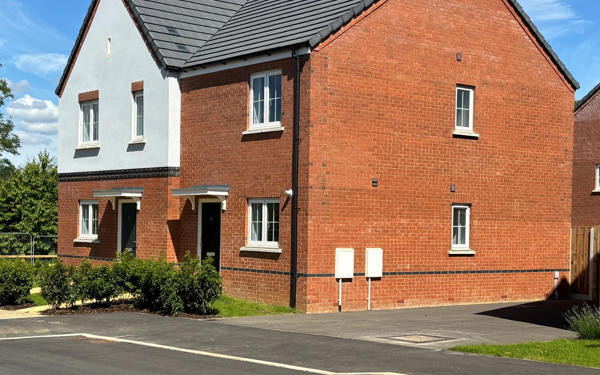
(419, 339)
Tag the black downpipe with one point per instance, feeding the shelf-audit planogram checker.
(295, 151)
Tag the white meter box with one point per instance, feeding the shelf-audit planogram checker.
(374, 263)
(344, 263)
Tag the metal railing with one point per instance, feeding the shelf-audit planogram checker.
(27, 245)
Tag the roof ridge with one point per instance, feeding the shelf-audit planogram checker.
(581, 103)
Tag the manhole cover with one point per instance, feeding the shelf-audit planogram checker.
(419, 339)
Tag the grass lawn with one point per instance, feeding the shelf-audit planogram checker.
(37, 299)
(230, 307)
(225, 306)
(565, 351)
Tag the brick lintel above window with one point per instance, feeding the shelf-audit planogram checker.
(137, 86)
(89, 96)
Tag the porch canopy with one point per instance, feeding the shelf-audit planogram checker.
(133, 193)
(219, 192)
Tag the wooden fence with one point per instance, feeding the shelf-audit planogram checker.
(585, 248)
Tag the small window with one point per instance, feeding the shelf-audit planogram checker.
(265, 94)
(597, 185)
(263, 222)
(460, 227)
(90, 117)
(88, 219)
(464, 108)
(138, 116)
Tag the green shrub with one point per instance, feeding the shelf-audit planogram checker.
(16, 280)
(94, 283)
(55, 281)
(127, 273)
(157, 288)
(79, 278)
(198, 285)
(585, 321)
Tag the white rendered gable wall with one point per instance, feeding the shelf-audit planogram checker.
(94, 69)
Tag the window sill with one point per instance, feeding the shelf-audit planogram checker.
(465, 134)
(87, 146)
(596, 191)
(263, 130)
(261, 249)
(86, 240)
(462, 252)
(137, 142)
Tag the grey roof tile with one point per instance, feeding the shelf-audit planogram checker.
(189, 33)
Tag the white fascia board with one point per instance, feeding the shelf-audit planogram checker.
(239, 63)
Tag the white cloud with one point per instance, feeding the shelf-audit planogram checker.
(41, 64)
(32, 138)
(548, 10)
(40, 127)
(18, 88)
(34, 115)
(33, 110)
(555, 17)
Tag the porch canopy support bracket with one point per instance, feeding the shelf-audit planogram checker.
(113, 195)
(220, 192)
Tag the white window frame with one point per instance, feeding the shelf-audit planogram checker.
(597, 183)
(89, 204)
(466, 245)
(471, 91)
(264, 243)
(91, 142)
(134, 136)
(265, 88)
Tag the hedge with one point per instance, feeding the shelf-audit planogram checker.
(153, 284)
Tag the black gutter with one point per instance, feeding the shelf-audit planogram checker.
(295, 159)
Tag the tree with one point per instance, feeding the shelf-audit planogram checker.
(29, 201)
(9, 141)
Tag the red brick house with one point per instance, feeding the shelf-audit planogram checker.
(267, 134)
(586, 161)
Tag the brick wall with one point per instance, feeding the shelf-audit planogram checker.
(382, 106)
(586, 204)
(215, 113)
(154, 235)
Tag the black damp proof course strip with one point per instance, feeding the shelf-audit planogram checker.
(399, 273)
(120, 174)
(251, 270)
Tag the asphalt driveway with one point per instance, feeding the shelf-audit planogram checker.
(131, 343)
(432, 327)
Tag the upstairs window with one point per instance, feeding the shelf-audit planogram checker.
(263, 222)
(138, 116)
(597, 184)
(265, 93)
(90, 117)
(88, 219)
(460, 226)
(464, 108)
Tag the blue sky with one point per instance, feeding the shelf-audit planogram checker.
(36, 37)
